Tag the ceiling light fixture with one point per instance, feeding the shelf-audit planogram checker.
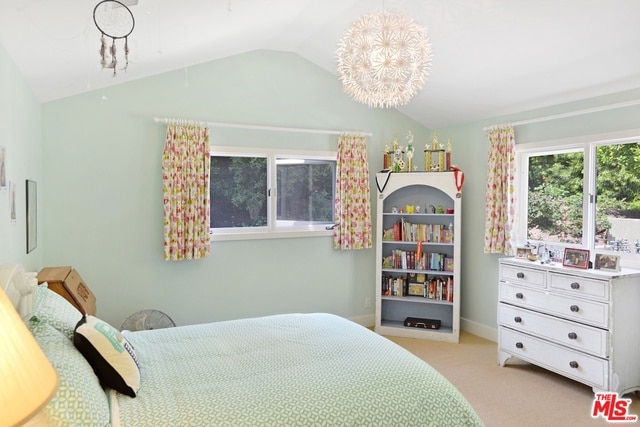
(114, 20)
(384, 59)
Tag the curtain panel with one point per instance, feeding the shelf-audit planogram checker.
(185, 183)
(353, 201)
(500, 197)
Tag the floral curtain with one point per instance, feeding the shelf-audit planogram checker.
(185, 184)
(353, 201)
(500, 197)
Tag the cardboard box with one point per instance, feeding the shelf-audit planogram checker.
(67, 282)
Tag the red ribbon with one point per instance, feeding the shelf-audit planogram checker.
(458, 176)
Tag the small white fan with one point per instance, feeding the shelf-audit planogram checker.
(147, 319)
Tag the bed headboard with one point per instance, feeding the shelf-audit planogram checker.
(19, 287)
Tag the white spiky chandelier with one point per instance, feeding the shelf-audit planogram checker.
(384, 59)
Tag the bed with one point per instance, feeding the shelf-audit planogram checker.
(283, 370)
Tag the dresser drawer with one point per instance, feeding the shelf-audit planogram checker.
(584, 311)
(570, 363)
(580, 286)
(522, 275)
(571, 334)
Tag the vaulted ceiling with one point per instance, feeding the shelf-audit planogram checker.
(491, 57)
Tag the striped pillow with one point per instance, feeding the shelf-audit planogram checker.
(109, 353)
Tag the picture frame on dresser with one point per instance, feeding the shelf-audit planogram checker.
(522, 252)
(607, 262)
(576, 258)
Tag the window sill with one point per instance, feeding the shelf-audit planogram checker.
(259, 235)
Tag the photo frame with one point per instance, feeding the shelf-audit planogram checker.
(576, 258)
(522, 252)
(416, 289)
(32, 214)
(607, 262)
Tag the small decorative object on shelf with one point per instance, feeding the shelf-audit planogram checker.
(409, 151)
(435, 158)
(386, 156)
(398, 163)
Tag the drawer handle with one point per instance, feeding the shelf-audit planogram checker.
(573, 335)
(519, 345)
(574, 364)
(574, 308)
(575, 285)
(519, 295)
(517, 319)
(520, 275)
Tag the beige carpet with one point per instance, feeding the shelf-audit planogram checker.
(516, 395)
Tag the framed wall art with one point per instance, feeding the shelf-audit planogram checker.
(577, 258)
(32, 215)
(3, 168)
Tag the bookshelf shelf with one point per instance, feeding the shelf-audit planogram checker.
(416, 300)
(418, 254)
(395, 328)
(430, 272)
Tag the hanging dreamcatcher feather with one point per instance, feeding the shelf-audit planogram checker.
(115, 21)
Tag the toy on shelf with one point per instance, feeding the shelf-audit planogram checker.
(436, 158)
(410, 151)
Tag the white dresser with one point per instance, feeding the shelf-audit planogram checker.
(583, 324)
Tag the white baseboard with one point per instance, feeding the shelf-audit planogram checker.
(466, 325)
(479, 329)
(368, 321)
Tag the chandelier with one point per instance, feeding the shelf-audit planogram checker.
(384, 59)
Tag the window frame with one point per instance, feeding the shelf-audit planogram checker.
(271, 230)
(587, 144)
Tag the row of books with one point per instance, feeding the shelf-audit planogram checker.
(404, 231)
(435, 288)
(418, 260)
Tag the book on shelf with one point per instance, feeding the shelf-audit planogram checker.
(448, 264)
(418, 260)
(394, 286)
(434, 288)
(405, 231)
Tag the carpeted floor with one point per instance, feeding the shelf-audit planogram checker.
(517, 395)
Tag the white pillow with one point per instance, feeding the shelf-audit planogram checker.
(51, 308)
(111, 356)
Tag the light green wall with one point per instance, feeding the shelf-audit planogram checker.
(20, 134)
(100, 205)
(104, 195)
(480, 270)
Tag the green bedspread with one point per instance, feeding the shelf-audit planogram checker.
(284, 370)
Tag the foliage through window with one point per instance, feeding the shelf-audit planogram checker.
(305, 190)
(271, 192)
(583, 194)
(238, 187)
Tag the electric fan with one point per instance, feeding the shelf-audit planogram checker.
(147, 319)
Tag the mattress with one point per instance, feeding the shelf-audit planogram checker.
(284, 370)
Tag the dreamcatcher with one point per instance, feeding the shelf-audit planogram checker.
(115, 21)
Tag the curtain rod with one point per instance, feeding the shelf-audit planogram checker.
(569, 114)
(172, 121)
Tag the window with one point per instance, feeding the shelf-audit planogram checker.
(581, 193)
(271, 193)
